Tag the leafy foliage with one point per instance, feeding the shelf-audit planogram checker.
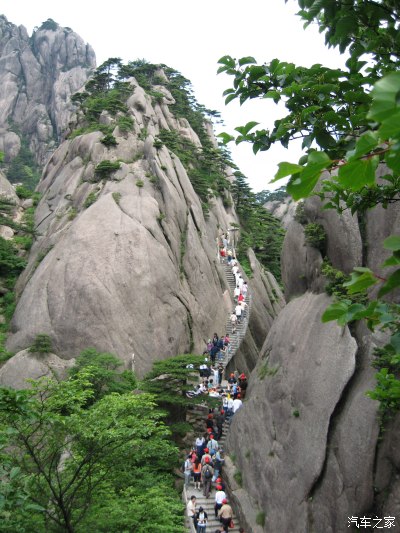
(13, 257)
(104, 375)
(49, 24)
(260, 230)
(315, 236)
(41, 344)
(74, 459)
(171, 378)
(205, 166)
(269, 196)
(349, 122)
(23, 168)
(105, 168)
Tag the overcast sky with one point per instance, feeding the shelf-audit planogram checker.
(191, 37)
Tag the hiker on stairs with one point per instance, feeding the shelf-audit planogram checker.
(201, 518)
(220, 496)
(200, 445)
(225, 515)
(238, 312)
(197, 473)
(191, 509)
(213, 445)
(233, 320)
(218, 462)
(206, 456)
(220, 419)
(207, 473)
(188, 467)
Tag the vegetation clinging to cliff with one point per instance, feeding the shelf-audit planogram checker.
(260, 230)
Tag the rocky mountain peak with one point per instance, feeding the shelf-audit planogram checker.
(38, 74)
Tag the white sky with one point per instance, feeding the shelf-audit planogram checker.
(191, 37)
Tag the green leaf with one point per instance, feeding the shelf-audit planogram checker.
(384, 95)
(300, 187)
(393, 282)
(246, 60)
(230, 98)
(286, 169)
(302, 184)
(361, 279)
(227, 60)
(367, 142)
(324, 139)
(392, 159)
(334, 311)
(393, 260)
(226, 138)
(392, 243)
(244, 130)
(390, 126)
(273, 94)
(359, 173)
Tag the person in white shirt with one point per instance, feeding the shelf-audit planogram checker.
(219, 496)
(238, 312)
(215, 375)
(235, 269)
(236, 292)
(191, 509)
(233, 321)
(237, 404)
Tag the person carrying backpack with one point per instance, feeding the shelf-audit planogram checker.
(207, 473)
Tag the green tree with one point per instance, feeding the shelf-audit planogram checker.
(75, 460)
(104, 373)
(169, 381)
(349, 120)
(259, 229)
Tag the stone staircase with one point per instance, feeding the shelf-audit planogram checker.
(236, 339)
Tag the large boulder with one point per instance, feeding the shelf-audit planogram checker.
(300, 263)
(280, 436)
(136, 269)
(26, 365)
(343, 237)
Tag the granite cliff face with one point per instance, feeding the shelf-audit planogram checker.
(306, 440)
(128, 262)
(38, 74)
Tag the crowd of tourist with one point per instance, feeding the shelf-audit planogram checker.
(203, 466)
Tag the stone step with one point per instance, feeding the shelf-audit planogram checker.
(208, 506)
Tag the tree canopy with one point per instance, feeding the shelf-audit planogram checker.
(76, 456)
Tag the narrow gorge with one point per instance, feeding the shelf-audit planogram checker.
(114, 195)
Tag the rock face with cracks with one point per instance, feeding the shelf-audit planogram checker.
(306, 441)
(128, 262)
(38, 74)
(305, 444)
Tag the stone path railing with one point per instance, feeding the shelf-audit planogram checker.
(241, 329)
